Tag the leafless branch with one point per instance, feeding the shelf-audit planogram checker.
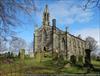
(9, 10)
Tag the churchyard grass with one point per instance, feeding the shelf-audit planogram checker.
(46, 66)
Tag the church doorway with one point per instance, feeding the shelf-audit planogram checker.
(73, 59)
(45, 49)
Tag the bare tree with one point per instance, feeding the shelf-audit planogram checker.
(88, 4)
(92, 43)
(17, 43)
(8, 14)
(30, 47)
(99, 54)
(2, 45)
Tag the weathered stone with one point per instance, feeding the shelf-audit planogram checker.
(39, 56)
(22, 54)
(67, 65)
(51, 38)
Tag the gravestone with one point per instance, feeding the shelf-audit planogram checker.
(55, 56)
(39, 56)
(22, 54)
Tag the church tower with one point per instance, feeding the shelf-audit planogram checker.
(46, 16)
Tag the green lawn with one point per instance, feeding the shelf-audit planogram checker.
(95, 63)
(46, 66)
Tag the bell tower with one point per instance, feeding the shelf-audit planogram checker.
(46, 16)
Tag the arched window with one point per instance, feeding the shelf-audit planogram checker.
(63, 44)
(63, 40)
(44, 35)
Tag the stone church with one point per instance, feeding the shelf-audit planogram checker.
(50, 38)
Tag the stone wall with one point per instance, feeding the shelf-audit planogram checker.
(51, 38)
(60, 42)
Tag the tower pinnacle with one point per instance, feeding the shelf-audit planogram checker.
(46, 16)
(46, 9)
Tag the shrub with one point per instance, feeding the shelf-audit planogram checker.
(98, 58)
(8, 55)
